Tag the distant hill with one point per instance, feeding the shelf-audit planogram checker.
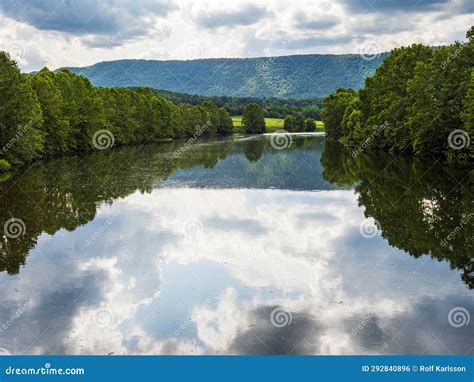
(302, 76)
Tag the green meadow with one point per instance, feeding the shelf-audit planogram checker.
(272, 124)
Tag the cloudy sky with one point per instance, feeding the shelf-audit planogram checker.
(69, 33)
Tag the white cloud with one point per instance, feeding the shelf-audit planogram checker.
(202, 28)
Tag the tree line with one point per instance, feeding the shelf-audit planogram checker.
(272, 107)
(298, 123)
(47, 113)
(419, 101)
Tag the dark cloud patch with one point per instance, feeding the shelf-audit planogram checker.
(383, 26)
(423, 330)
(121, 20)
(265, 338)
(310, 42)
(466, 6)
(48, 321)
(369, 6)
(461, 7)
(317, 24)
(248, 15)
(251, 226)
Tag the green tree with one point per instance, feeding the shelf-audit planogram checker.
(289, 123)
(83, 107)
(352, 129)
(21, 138)
(384, 97)
(299, 124)
(213, 117)
(414, 101)
(334, 107)
(253, 120)
(58, 137)
(467, 116)
(226, 126)
(120, 113)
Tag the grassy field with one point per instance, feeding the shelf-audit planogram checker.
(271, 123)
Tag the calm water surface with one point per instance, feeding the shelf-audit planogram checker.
(236, 247)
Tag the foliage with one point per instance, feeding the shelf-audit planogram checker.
(253, 120)
(4, 165)
(272, 107)
(20, 115)
(334, 107)
(297, 123)
(50, 113)
(289, 123)
(55, 124)
(416, 99)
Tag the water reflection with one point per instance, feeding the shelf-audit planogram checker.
(135, 251)
(421, 208)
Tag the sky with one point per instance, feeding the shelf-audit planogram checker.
(58, 33)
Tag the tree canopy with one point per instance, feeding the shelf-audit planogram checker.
(253, 120)
(50, 113)
(419, 101)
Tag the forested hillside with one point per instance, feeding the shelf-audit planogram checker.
(304, 76)
(420, 101)
(48, 113)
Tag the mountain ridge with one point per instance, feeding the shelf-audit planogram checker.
(296, 76)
